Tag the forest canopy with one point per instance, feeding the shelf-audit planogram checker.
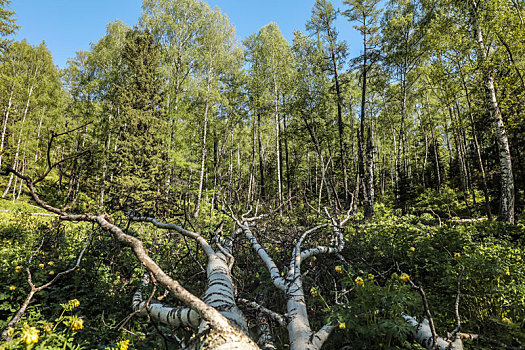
(178, 187)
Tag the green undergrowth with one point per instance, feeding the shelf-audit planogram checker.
(483, 259)
(364, 291)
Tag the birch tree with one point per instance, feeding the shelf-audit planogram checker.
(219, 55)
(322, 25)
(272, 62)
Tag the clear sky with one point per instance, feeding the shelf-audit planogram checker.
(68, 26)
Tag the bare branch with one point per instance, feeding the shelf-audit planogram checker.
(204, 244)
(274, 315)
(456, 311)
(137, 299)
(322, 335)
(275, 274)
(35, 289)
(215, 319)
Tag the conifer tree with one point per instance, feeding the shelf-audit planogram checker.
(139, 159)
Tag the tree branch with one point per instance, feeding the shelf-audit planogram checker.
(274, 315)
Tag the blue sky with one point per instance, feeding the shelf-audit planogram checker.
(68, 26)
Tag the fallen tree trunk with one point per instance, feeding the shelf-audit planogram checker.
(423, 335)
(216, 331)
(301, 336)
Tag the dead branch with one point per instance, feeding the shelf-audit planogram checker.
(34, 289)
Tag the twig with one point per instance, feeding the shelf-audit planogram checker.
(456, 310)
(139, 310)
(282, 320)
(35, 289)
(426, 309)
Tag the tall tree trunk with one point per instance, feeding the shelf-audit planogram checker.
(367, 175)
(6, 119)
(278, 146)
(261, 160)
(507, 196)
(340, 125)
(17, 154)
(425, 160)
(203, 148)
(287, 159)
(319, 152)
(434, 146)
(478, 150)
(370, 168)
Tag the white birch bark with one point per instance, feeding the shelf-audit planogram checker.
(4, 128)
(204, 149)
(17, 154)
(423, 335)
(171, 316)
(300, 334)
(220, 292)
(507, 179)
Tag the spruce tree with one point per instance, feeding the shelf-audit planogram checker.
(139, 158)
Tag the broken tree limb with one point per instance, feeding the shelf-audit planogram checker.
(274, 315)
(170, 316)
(221, 332)
(34, 289)
(220, 292)
(299, 332)
(423, 335)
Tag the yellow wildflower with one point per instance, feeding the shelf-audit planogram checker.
(18, 269)
(76, 323)
(51, 272)
(404, 277)
(342, 325)
(314, 291)
(124, 345)
(12, 288)
(457, 255)
(48, 327)
(30, 335)
(276, 249)
(370, 276)
(10, 331)
(359, 281)
(507, 272)
(41, 266)
(412, 249)
(375, 247)
(51, 263)
(75, 302)
(339, 269)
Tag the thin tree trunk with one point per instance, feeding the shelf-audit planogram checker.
(366, 177)
(4, 128)
(287, 159)
(478, 151)
(278, 146)
(261, 160)
(251, 186)
(340, 125)
(434, 146)
(370, 168)
(20, 137)
(203, 149)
